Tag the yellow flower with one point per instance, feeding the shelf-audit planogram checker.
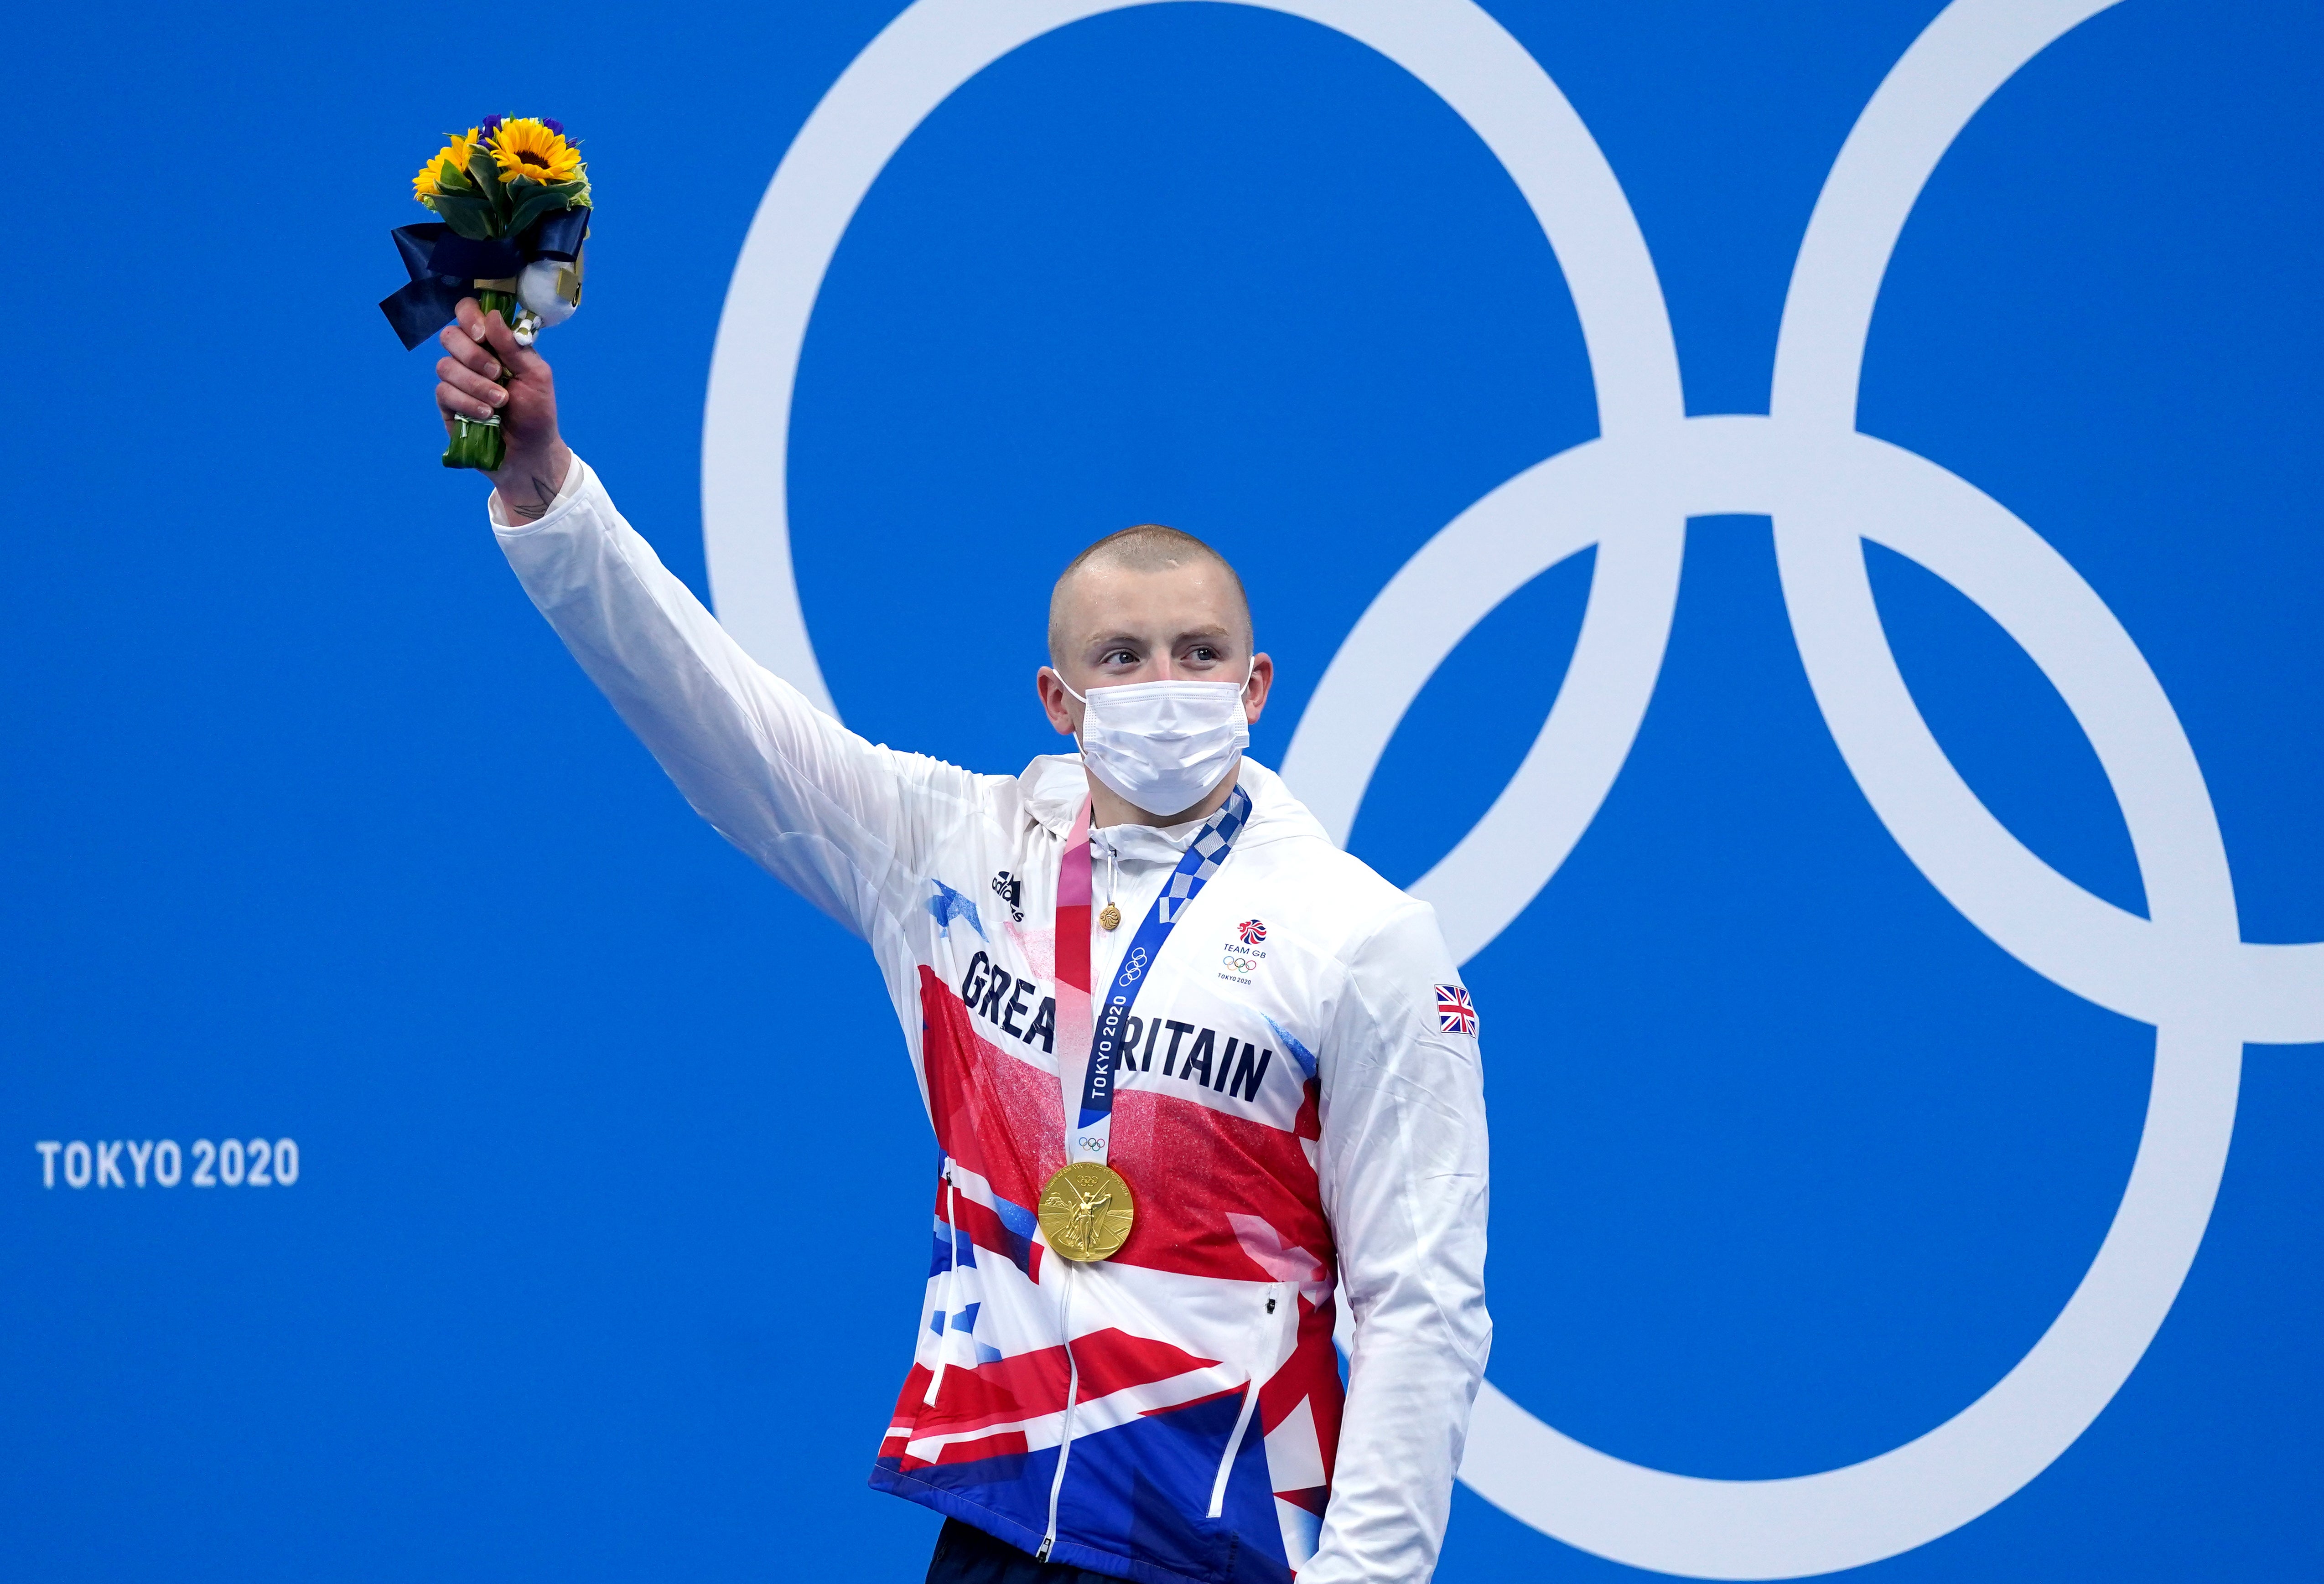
(524, 147)
(459, 147)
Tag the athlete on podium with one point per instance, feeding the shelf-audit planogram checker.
(1193, 1069)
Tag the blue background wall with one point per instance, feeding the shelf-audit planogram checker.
(603, 1259)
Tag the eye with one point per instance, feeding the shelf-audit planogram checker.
(1118, 657)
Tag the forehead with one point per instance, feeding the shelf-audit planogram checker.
(1098, 599)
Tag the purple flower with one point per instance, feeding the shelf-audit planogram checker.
(491, 123)
(555, 126)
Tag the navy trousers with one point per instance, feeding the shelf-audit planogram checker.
(966, 1554)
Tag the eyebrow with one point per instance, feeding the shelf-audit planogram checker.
(1134, 640)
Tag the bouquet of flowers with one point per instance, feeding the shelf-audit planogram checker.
(514, 198)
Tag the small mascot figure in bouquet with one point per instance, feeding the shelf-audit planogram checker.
(514, 198)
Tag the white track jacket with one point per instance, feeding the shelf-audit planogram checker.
(1300, 1115)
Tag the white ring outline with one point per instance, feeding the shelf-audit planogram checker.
(2184, 969)
(934, 47)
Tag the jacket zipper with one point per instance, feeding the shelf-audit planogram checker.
(1065, 1435)
(951, 1291)
(1277, 1295)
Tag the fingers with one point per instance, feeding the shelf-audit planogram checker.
(480, 351)
(458, 403)
(521, 361)
(470, 382)
(461, 341)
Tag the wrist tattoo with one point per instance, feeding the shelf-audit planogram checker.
(544, 496)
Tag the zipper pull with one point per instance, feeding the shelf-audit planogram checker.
(1042, 1555)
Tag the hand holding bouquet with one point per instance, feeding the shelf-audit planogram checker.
(514, 198)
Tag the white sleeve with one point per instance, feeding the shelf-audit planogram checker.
(1404, 1184)
(847, 824)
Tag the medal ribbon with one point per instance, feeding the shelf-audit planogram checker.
(1092, 1038)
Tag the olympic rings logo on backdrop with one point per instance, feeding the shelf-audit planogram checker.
(2184, 969)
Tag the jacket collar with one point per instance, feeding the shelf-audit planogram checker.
(1053, 785)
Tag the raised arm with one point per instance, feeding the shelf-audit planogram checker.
(843, 821)
(1405, 1176)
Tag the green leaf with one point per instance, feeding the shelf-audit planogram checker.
(467, 223)
(545, 200)
(471, 217)
(487, 175)
(452, 178)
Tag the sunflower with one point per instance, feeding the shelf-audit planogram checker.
(459, 148)
(528, 148)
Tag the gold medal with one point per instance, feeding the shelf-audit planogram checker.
(1108, 917)
(1086, 1211)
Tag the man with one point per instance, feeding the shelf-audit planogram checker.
(1190, 1066)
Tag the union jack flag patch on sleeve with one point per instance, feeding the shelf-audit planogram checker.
(1456, 1012)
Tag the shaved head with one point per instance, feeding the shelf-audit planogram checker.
(1148, 547)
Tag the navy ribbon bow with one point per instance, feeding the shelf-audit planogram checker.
(446, 267)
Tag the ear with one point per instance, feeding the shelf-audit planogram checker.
(1064, 711)
(1254, 693)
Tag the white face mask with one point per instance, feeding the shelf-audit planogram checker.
(1165, 746)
